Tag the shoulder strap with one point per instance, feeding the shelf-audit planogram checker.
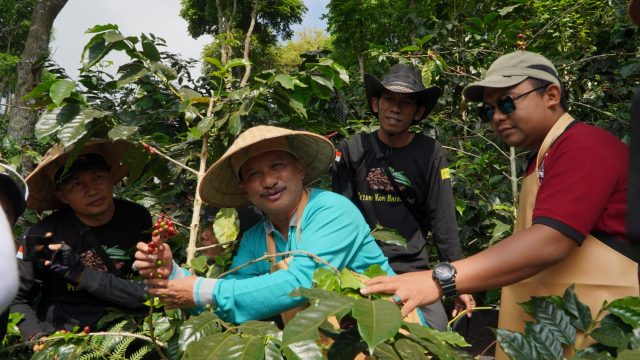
(90, 238)
(385, 165)
(633, 210)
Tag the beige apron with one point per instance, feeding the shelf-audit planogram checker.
(589, 266)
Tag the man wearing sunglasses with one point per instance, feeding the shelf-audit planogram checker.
(571, 223)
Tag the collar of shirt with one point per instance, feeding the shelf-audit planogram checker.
(269, 227)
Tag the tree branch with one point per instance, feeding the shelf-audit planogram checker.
(286, 253)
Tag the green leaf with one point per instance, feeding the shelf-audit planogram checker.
(113, 36)
(60, 90)
(304, 326)
(272, 352)
(384, 351)
(423, 332)
(321, 87)
(73, 130)
(149, 49)
(547, 346)
(235, 63)
(627, 309)
(347, 345)
(160, 68)
(515, 345)
(630, 315)
(131, 73)
(101, 28)
(94, 51)
(374, 270)
(557, 321)
(325, 279)
(247, 105)
(205, 124)
(580, 313)
(188, 94)
(350, 280)
(285, 81)
(611, 336)
(507, 9)
(122, 132)
(235, 125)
(377, 321)
(388, 236)
(634, 340)
(225, 346)
(629, 355)
(198, 327)
(199, 263)
(304, 350)
(260, 328)
(408, 349)
(226, 226)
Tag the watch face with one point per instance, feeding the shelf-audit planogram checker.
(444, 272)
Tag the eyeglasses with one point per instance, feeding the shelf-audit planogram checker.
(506, 104)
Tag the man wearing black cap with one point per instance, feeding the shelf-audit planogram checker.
(87, 267)
(400, 179)
(13, 197)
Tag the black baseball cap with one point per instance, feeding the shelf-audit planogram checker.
(89, 161)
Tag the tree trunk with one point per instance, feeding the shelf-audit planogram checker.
(247, 44)
(29, 70)
(411, 4)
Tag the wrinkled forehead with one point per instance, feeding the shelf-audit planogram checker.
(265, 158)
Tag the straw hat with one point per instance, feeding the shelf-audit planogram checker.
(220, 185)
(41, 183)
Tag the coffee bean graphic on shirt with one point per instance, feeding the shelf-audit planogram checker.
(377, 180)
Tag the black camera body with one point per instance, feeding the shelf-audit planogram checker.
(36, 247)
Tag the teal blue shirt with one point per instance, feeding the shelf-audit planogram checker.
(331, 228)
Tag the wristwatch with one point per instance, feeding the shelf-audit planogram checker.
(444, 273)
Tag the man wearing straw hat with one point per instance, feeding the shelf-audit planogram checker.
(270, 167)
(87, 266)
(571, 221)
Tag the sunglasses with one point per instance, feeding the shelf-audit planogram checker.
(506, 104)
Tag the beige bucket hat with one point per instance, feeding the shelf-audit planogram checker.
(41, 180)
(220, 185)
(511, 69)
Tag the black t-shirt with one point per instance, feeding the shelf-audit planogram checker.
(422, 174)
(64, 304)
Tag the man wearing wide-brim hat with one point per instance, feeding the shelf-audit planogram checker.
(400, 179)
(571, 223)
(270, 168)
(87, 267)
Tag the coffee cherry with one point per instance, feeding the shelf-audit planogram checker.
(86, 330)
(521, 36)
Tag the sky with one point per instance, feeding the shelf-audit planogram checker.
(134, 17)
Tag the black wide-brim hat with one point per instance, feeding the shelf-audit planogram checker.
(403, 79)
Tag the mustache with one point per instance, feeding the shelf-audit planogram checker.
(272, 191)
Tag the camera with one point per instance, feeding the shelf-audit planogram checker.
(36, 247)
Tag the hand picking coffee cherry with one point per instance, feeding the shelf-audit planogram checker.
(163, 229)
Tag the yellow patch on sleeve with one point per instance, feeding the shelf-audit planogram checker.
(445, 174)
